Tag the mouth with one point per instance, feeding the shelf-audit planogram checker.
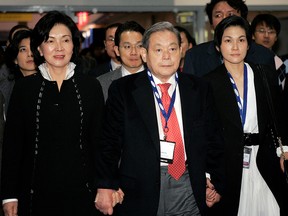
(59, 56)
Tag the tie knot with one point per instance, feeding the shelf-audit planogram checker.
(164, 87)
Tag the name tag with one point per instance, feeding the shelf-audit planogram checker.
(167, 151)
(246, 157)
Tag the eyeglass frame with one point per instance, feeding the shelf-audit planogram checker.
(131, 46)
(264, 31)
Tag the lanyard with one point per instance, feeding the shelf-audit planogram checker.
(165, 114)
(242, 107)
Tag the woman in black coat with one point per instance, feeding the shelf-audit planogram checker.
(254, 180)
(52, 129)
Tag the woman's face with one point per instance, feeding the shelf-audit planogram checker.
(234, 45)
(58, 49)
(24, 58)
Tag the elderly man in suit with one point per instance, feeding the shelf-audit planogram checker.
(162, 144)
(128, 42)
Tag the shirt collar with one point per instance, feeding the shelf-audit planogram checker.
(46, 74)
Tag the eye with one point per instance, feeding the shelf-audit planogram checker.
(67, 40)
(172, 49)
(158, 51)
(218, 15)
(230, 14)
(127, 47)
(22, 49)
(139, 46)
(49, 41)
(227, 41)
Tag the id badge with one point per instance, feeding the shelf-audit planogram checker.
(246, 157)
(167, 151)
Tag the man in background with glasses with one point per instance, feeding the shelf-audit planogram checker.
(128, 42)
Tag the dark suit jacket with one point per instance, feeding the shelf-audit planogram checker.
(100, 69)
(131, 134)
(204, 58)
(267, 161)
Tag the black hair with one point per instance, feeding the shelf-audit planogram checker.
(127, 26)
(12, 51)
(42, 29)
(228, 22)
(270, 20)
(113, 25)
(187, 34)
(15, 28)
(238, 5)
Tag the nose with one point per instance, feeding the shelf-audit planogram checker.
(59, 46)
(235, 45)
(166, 54)
(30, 54)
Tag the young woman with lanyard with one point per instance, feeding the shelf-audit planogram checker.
(254, 179)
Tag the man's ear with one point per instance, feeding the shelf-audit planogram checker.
(143, 53)
(116, 50)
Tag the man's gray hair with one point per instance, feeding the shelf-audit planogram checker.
(160, 26)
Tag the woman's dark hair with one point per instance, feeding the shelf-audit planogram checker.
(42, 29)
(268, 19)
(15, 29)
(228, 22)
(12, 51)
(238, 5)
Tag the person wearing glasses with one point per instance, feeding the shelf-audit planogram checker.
(113, 62)
(128, 42)
(265, 29)
(203, 58)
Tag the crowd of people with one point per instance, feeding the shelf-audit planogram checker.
(164, 127)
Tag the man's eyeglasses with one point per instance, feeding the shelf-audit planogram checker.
(264, 31)
(110, 40)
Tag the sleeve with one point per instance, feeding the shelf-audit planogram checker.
(110, 145)
(215, 154)
(13, 148)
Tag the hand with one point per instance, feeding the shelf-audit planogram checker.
(104, 201)
(118, 197)
(10, 208)
(212, 196)
(282, 160)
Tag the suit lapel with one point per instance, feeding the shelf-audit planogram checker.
(144, 99)
(225, 95)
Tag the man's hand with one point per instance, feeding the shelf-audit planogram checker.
(104, 201)
(212, 196)
(10, 208)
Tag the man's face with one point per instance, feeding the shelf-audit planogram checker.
(184, 44)
(222, 10)
(129, 50)
(265, 36)
(163, 54)
(109, 42)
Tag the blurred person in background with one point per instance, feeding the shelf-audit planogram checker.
(109, 42)
(203, 58)
(128, 42)
(187, 42)
(265, 31)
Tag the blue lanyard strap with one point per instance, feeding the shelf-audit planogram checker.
(242, 107)
(165, 114)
